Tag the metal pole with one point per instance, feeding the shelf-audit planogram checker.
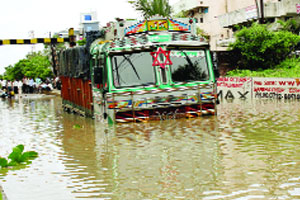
(257, 9)
(262, 17)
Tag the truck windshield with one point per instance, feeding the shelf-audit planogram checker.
(189, 65)
(133, 69)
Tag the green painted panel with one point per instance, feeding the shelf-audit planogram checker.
(160, 38)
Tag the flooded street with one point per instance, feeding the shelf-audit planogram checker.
(250, 150)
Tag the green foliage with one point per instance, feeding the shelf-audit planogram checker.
(289, 68)
(77, 126)
(237, 27)
(201, 32)
(35, 65)
(152, 7)
(291, 25)
(257, 47)
(17, 157)
(81, 42)
(3, 162)
(182, 14)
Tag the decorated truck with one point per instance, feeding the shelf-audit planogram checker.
(154, 69)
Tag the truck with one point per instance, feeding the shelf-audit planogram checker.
(138, 71)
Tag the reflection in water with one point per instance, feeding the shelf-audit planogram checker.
(160, 159)
(259, 142)
(248, 151)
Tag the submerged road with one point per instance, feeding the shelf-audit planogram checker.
(250, 150)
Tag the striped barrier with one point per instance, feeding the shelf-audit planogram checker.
(34, 41)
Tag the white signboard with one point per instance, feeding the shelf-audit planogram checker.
(258, 88)
(234, 87)
(276, 88)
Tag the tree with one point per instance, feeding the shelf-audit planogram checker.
(152, 7)
(257, 47)
(202, 33)
(15, 72)
(35, 65)
(182, 14)
(39, 66)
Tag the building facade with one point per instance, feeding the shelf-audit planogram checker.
(88, 22)
(217, 18)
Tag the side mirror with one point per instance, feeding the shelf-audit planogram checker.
(98, 75)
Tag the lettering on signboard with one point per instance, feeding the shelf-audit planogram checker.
(243, 95)
(262, 88)
(234, 87)
(276, 88)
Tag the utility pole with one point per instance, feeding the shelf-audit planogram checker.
(226, 6)
(257, 9)
(262, 16)
(31, 35)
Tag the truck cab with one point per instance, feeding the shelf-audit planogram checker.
(155, 69)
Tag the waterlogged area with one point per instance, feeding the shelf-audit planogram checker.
(250, 150)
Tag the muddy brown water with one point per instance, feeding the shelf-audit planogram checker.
(249, 150)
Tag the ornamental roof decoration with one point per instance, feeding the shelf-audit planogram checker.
(156, 25)
(142, 40)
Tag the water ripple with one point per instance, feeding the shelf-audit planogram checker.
(248, 151)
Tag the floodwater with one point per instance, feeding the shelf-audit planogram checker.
(250, 150)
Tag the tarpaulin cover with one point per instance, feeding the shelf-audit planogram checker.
(74, 62)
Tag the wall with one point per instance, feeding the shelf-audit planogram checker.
(258, 88)
(242, 11)
(210, 24)
(226, 13)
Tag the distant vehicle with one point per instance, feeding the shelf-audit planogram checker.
(154, 69)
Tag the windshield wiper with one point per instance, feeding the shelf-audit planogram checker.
(117, 69)
(188, 59)
(132, 67)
